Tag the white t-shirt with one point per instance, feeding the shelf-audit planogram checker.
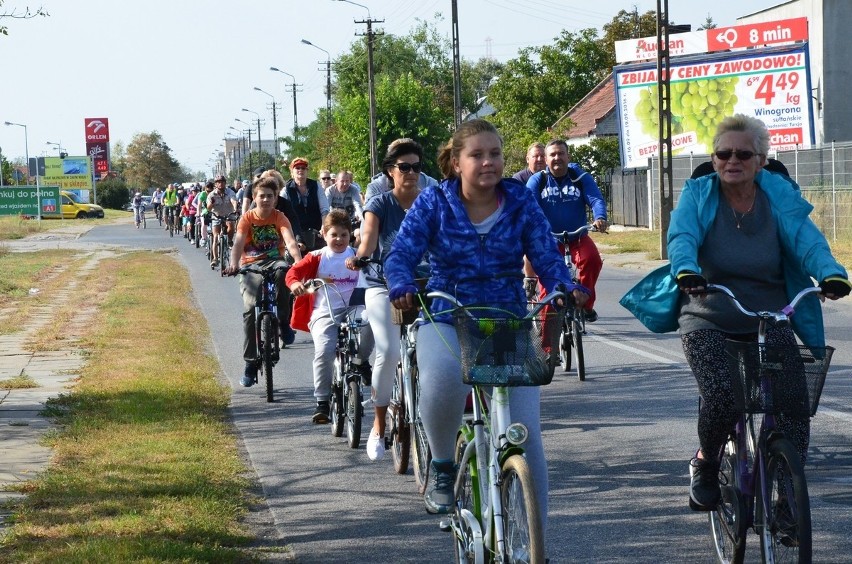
(332, 269)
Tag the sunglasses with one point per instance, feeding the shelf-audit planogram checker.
(325, 178)
(741, 155)
(405, 168)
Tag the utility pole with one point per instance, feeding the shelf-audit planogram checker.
(665, 129)
(371, 37)
(456, 66)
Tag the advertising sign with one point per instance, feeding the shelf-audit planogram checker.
(97, 129)
(70, 173)
(99, 152)
(23, 200)
(771, 85)
(762, 34)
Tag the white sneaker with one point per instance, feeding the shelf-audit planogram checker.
(375, 446)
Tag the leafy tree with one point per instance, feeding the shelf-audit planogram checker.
(113, 193)
(600, 157)
(149, 162)
(6, 172)
(628, 25)
(118, 158)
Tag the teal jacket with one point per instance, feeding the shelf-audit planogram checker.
(804, 249)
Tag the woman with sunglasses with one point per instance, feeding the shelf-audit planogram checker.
(747, 229)
(382, 217)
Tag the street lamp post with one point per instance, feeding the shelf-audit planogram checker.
(27, 155)
(327, 79)
(239, 148)
(259, 142)
(57, 145)
(295, 112)
(371, 36)
(274, 119)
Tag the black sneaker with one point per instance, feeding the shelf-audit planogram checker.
(440, 497)
(249, 375)
(704, 489)
(590, 315)
(288, 336)
(321, 413)
(366, 372)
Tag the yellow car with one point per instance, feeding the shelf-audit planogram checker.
(73, 208)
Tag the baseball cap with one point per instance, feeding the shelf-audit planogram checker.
(246, 183)
(258, 171)
(298, 161)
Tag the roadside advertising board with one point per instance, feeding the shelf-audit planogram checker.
(772, 85)
(97, 129)
(23, 200)
(71, 173)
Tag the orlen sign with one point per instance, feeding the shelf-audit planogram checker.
(97, 129)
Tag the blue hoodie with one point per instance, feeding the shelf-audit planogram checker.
(438, 223)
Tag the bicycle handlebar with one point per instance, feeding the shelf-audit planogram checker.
(548, 299)
(786, 312)
(566, 236)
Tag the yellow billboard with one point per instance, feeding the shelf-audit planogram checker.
(70, 173)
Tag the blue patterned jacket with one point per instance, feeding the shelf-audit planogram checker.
(438, 223)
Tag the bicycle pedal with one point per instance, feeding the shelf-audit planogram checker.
(446, 525)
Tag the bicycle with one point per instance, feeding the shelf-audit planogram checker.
(761, 475)
(266, 328)
(574, 325)
(346, 402)
(497, 517)
(224, 244)
(158, 213)
(171, 214)
(140, 216)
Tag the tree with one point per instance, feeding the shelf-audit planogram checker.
(149, 162)
(113, 193)
(18, 15)
(118, 158)
(628, 25)
(600, 157)
(708, 23)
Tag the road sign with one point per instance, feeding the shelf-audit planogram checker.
(23, 200)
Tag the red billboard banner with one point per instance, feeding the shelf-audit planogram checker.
(97, 129)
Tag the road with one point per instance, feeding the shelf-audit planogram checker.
(617, 444)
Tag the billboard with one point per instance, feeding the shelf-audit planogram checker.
(70, 173)
(772, 85)
(97, 129)
(24, 200)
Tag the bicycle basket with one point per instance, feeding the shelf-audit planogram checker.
(501, 349)
(793, 377)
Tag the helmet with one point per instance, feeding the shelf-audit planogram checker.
(220, 178)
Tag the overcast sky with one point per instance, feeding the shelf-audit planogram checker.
(186, 68)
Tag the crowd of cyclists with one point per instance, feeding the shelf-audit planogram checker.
(465, 229)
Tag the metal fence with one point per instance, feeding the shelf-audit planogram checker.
(824, 174)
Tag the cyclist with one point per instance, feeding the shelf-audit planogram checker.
(747, 229)
(170, 205)
(203, 212)
(138, 208)
(157, 201)
(474, 224)
(309, 201)
(263, 233)
(190, 211)
(563, 190)
(222, 201)
(346, 195)
(382, 218)
(312, 312)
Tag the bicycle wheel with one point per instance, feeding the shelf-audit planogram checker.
(224, 254)
(338, 413)
(469, 546)
(267, 338)
(144, 223)
(786, 532)
(566, 341)
(197, 232)
(421, 453)
(400, 438)
(354, 411)
(728, 520)
(521, 514)
(577, 342)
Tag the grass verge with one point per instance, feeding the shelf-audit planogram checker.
(13, 227)
(648, 242)
(145, 465)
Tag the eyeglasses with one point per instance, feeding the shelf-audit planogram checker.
(728, 153)
(405, 168)
(325, 178)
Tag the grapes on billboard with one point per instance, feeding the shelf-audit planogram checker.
(771, 85)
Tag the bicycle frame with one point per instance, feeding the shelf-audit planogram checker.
(488, 436)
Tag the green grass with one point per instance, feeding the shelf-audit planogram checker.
(22, 382)
(145, 464)
(12, 227)
(22, 271)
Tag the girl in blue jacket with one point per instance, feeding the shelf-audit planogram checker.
(474, 224)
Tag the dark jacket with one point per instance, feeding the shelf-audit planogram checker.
(310, 215)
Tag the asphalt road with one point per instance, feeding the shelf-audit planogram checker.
(617, 444)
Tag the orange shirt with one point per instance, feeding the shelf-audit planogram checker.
(263, 236)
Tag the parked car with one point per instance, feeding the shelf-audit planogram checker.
(146, 201)
(73, 208)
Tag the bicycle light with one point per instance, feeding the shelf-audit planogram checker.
(517, 433)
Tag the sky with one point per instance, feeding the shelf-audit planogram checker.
(187, 68)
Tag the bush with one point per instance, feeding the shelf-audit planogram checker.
(113, 193)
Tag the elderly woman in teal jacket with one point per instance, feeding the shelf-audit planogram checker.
(748, 229)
